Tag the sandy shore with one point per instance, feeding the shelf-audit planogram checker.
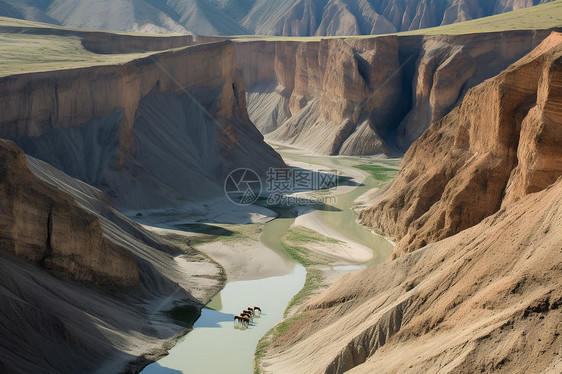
(247, 260)
(345, 252)
(242, 254)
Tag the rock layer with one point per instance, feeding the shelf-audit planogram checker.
(392, 88)
(175, 121)
(485, 300)
(46, 226)
(499, 145)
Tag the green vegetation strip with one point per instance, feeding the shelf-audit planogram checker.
(313, 281)
(293, 242)
(277, 331)
(380, 173)
(207, 234)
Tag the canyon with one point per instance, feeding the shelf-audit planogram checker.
(83, 287)
(113, 122)
(368, 96)
(474, 281)
(124, 128)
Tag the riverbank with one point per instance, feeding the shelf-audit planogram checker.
(338, 238)
(308, 245)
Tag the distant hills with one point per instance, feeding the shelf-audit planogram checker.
(263, 17)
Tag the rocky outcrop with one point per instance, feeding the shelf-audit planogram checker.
(324, 109)
(335, 86)
(485, 300)
(391, 90)
(46, 226)
(368, 17)
(498, 146)
(79, 281)
(115, 121)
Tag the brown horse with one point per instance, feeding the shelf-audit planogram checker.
(251, 309)
(257, 310)
(248, 311)
(244, 320)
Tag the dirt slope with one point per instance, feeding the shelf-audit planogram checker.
(485, 300)
(483, 297)
(83, 288)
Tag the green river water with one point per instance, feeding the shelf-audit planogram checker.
(215, 345)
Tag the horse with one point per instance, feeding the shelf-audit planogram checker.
(257, 310)
(251, 310)
(244, 320)
(248, 313)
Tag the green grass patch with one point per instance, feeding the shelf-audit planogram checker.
(294, 243)
(305, 235)
(379, 172)
(210, 234)
(303, 255)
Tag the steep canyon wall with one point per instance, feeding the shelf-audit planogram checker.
(360, 96)
(474, 283)
(150, 133)
(502, 143)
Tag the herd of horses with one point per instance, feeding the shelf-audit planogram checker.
(247, 316)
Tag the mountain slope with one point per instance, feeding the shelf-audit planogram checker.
(262, 17)
(79, 282)
(154, 132)
(484, 299)
(500, 144)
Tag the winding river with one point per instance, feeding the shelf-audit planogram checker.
(214, 345)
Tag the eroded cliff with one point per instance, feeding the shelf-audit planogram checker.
(360, 96)
(83, 288)
(46, 226)
(482, 292)
(500, 144)
(150, 132)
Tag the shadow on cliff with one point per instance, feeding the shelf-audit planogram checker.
(207, 229)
